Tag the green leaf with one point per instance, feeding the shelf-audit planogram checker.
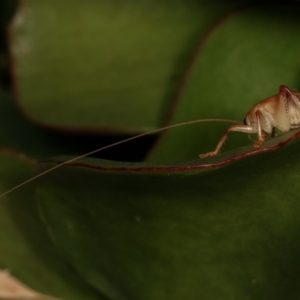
(19, 134)
(212, 230)
(243, 60)
(25, 249)
(106, 65)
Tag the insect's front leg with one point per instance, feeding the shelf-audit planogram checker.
(261, 135)
(239, 127)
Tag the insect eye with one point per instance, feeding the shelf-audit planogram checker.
(245, 121)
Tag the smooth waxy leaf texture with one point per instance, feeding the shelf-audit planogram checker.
(26, 250)
(192, 231)
(18, 134)
(109, 66)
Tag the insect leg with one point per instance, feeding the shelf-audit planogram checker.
(261, 136)
(290, 93)
(239, 127)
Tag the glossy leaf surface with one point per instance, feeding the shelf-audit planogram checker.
(192, 231)
(19, 134)
(109, 66)
(26, 250)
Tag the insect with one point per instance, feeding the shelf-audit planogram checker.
(280, 111)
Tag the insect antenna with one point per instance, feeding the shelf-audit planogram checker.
(113, 145)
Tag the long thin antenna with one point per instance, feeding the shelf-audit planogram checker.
(113, 145)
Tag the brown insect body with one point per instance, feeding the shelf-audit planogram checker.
(280, 111)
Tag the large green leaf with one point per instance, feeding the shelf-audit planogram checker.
(25, 249)
(105, 65)
(244, 59)
(19, 134)
(189, 231)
